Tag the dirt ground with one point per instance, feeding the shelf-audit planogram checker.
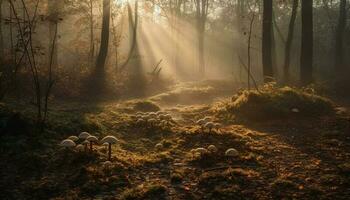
(278, 159)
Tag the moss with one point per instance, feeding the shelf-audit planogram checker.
(152, 191)
(275, 103)
(176, 178)
(146, 106)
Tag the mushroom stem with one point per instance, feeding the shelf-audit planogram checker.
(109, 151)
(90, 145)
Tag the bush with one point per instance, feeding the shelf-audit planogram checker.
(275, 103)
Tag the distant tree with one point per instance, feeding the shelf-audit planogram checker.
(54, 13)
(267, 41)
(339, 36)
(1, 34)
(289, 40)
(101, 58)
(306, 59)
(201, 7)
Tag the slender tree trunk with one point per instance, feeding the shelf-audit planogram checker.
(267, 41)
(54, 9)
(289, 41)
(101, 58)
(92, 45)
(306, 59)
(339, 39)
(202, 13)
(201, 60)
(1, 34)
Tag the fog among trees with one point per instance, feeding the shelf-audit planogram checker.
(175, 99)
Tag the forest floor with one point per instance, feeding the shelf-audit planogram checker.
(289, 158)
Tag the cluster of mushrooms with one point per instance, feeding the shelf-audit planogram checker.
(86, 139)
(152, 119)
(207, 124)
(198, 152)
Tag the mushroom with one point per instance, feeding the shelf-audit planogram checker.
(159, 146)
(217, 126)
(80, 147)
(73, 138)
(152, 114)
(110, 140)
(200, 122)
(207, 119)
(231, 152)
(67, 143)
(201, 150)
(106, 145)
(152, 122)
(212, 148)
(92, 139)
(295, 110)
(209, 125)
(85, 143)
(83, 135)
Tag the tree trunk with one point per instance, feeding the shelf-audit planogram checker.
(1, 34)
(267, 41)
(201, 60)
(92, 45)
(289, 41)
(54, 7)
(306, 59)
(339, 40)
(201, 14)
(101, 58)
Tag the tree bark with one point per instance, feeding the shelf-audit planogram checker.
(339, 37)
(289, 41)
(267, 41)
(54, 7)
(92, 45)
(201, 14)
(1, 34)
(101, 58)
(306, 59)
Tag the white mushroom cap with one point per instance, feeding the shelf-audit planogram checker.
(85, 142)
(80, 147)
(152, 114)
(231, 152)
(109, 139)
(105, 144)
(201, 150)
(159, 146)
(73, 138)
(217, 125)
(207, 119)
(295, 110)
(209, 125)
(67, 143)
(107, 163)
(84, 135)
(92, 138)
(212, 148)
(152, 121)
(200, 122)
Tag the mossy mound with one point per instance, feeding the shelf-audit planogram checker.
(146, 106)
(276, 103)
